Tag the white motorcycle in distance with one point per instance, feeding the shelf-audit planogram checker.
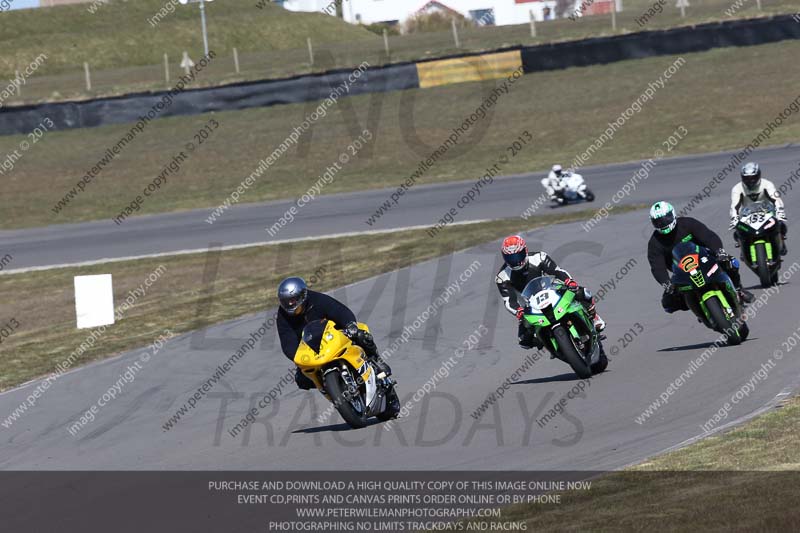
(569, 188)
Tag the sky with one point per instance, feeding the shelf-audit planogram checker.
(22, 4)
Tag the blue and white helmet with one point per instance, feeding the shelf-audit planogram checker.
(662, 215)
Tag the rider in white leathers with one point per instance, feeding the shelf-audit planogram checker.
(555, 181)
(753, 188)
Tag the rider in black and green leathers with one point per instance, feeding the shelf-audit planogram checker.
(671, 230)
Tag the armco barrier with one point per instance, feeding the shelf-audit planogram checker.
(128, 108)
(747, 32)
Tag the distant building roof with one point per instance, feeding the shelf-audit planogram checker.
(433, 5)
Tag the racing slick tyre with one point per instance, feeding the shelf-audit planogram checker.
(571, 355)
(600, 365)
(744, 330)
(351, 407)
(724, 325)
(589, 195)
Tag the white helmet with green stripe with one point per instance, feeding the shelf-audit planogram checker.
(662, 215)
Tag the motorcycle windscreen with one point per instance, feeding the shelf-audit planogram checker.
(693, 265)
(757, 207)
(537, 285)
(312, 334)
(319, 342)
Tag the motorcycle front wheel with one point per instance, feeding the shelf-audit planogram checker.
(589, 195)
(724, 325)
(349, 405)
(571, 354)
(762, 268)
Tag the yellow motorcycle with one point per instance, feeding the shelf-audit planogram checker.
(340, 371)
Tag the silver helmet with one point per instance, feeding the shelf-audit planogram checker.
(292, 295)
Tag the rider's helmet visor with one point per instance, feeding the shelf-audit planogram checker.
(664, 222)
(751, 182)
(515, 260)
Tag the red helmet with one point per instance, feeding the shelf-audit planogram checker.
(515, 252)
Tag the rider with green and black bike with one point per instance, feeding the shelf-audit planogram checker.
(519, 268)
(671, 230)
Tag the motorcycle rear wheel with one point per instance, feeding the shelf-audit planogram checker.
(336, 389)
(571, 355)
(724, 325)
(600, 365)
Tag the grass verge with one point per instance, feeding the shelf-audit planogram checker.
(745, 479)
(407, 126)
(124, 43)
(42, 302)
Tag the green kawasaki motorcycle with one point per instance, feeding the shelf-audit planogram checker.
(563, 326)
(708, 291)
(759, 229)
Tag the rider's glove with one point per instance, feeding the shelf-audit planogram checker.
(571, 284)
(520, 313)
(722, 256)
(734, 221)
(669, 288)
(351, 330)
(781, 214)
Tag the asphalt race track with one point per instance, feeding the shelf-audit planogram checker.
(675, 179)
(597, 430)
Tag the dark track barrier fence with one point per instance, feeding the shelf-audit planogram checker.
(593, 51)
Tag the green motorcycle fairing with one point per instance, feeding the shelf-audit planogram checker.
(566, 305)
(767, 249)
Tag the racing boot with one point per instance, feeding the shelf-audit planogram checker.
(599, 323)
(366, 341)
(529, 340)
(745, 296)
(783, 237)
(384, 370)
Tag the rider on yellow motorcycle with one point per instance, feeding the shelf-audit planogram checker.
(300, 306)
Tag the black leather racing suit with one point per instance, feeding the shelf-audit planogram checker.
(659, 254)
